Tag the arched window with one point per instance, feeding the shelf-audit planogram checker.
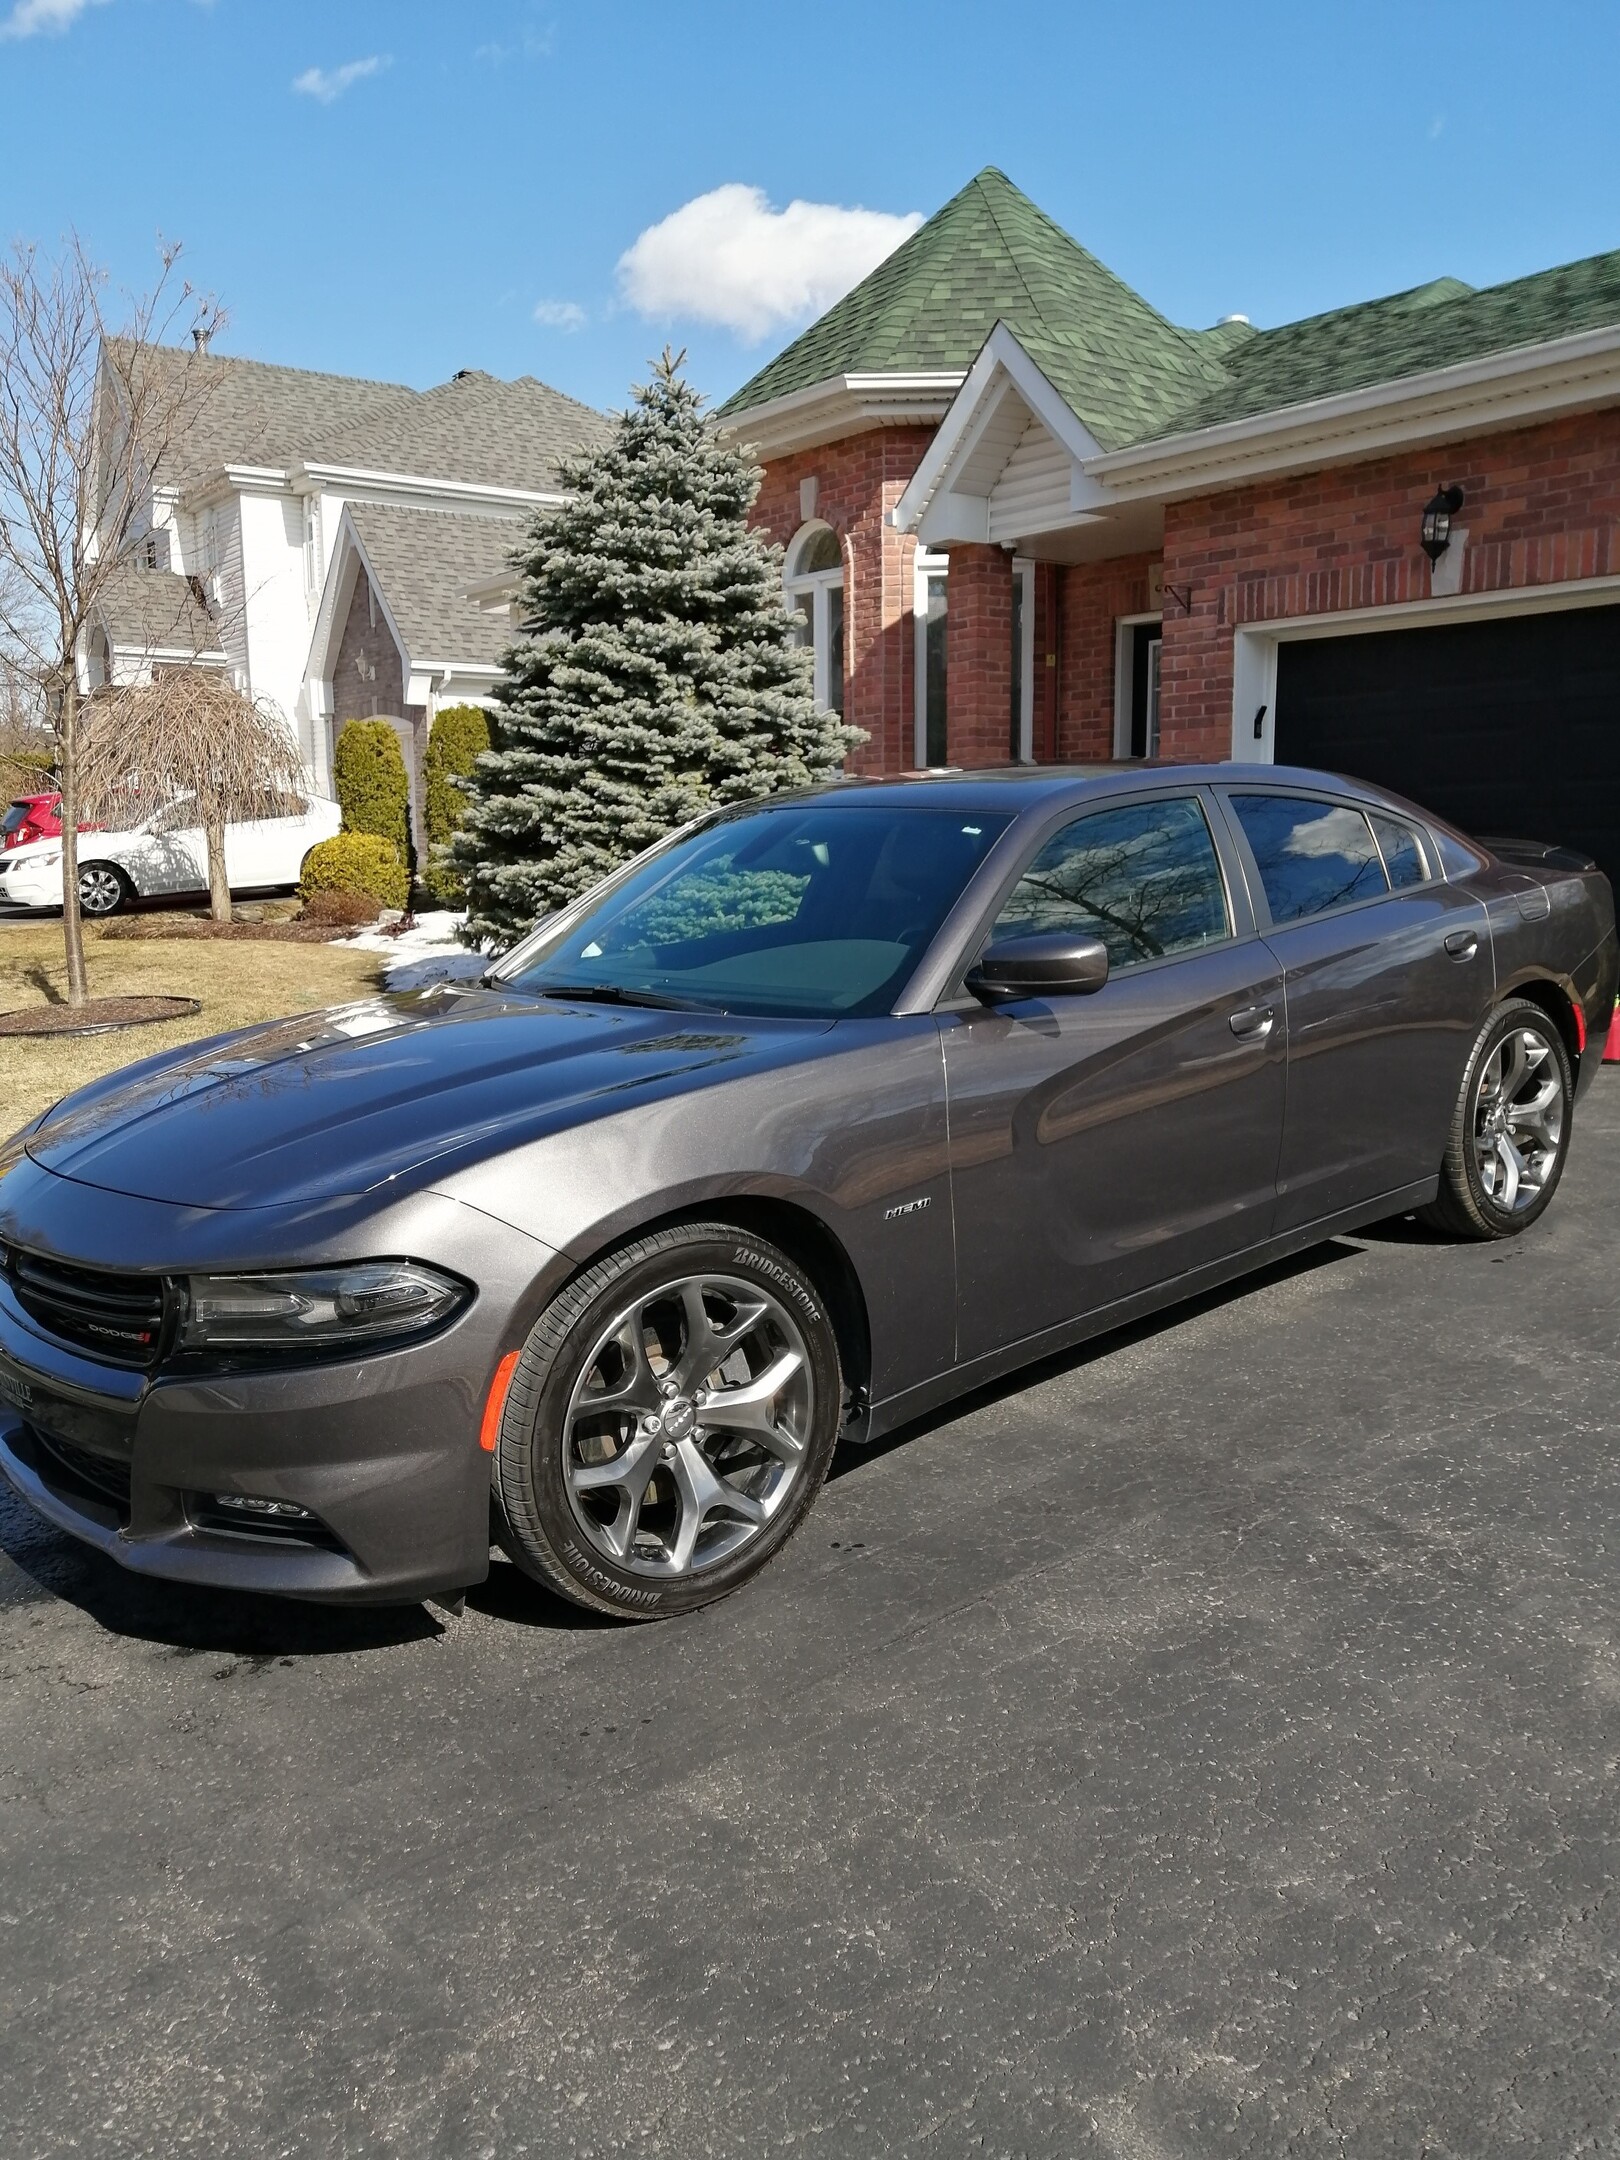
(815, 598)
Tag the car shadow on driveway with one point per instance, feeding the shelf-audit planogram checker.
(39, 1563)
(853, 1457)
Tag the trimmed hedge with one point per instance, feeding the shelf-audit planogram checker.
(368, 771)
(356, 863)
(457, 736)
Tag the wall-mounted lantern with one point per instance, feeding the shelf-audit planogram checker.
(1437, 517)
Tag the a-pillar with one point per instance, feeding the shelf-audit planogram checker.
(979, 656)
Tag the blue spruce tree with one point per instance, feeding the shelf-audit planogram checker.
(655, 675)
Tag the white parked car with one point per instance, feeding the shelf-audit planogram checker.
(168, 854)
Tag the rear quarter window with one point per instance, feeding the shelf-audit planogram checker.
(1312, 855)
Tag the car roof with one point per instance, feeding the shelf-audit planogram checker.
(1020, 788)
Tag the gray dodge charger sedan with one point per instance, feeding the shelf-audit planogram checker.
(824, 1111)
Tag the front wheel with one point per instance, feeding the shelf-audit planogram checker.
(1510, 1130)
(103, 889)
(670, 1421)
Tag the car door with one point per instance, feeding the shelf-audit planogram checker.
(268, 847)
(1386, 976)
(1104, 1143)
(167, 854)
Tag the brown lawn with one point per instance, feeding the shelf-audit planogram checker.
(236, 983)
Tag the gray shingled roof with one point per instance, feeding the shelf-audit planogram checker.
(426, 562)
(156, 611)
(473, 428)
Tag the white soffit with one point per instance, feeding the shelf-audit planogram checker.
(1004, 395)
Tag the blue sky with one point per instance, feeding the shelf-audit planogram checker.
(395, 189)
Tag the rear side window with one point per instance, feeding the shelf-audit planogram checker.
(1143, 878)
(1402, 851)
(1312, 855)
(15, 818)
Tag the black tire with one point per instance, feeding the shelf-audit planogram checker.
(103, 890)
(1464, 1207)
(542, 1523)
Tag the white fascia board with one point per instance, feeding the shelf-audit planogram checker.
(351, 480)
(1526, 382)
(179, 655)
(327, 630)
(495, 591)
(1002, 368)
(842, 405)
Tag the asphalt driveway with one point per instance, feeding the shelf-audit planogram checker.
(1207, 1748)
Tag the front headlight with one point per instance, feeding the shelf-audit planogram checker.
(41, 862)
(318, 1308)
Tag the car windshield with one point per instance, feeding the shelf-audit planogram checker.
(813, 910)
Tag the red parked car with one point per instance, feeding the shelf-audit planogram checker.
(31, 817)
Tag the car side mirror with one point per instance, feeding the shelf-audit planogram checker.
(1049, 963)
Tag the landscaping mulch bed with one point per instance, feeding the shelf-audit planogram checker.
(190, 926)
(97, 1016)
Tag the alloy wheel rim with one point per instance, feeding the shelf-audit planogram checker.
(98, 891)
(687, 1430)
(1518, 1120)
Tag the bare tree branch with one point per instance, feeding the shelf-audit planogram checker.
(88, 420)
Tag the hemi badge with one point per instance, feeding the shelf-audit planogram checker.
(906, 1207)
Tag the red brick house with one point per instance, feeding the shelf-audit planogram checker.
(1026, 516)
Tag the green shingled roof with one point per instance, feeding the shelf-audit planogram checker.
(1437, 325)
(990, 255)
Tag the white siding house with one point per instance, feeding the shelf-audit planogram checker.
(293, 490)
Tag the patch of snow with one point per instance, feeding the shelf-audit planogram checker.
(429, 953)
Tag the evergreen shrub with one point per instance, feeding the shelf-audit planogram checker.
(356, 862)
(458, 734)
(373, 792)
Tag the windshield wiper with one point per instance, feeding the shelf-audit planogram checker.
(611, 994)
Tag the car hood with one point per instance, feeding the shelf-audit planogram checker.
(360, 1097)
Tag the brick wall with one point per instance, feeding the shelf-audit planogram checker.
(1093, 596)
(858, 481)
(1542, 505)
(978, 656)
(368, 683)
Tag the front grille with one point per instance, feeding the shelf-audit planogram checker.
(101, 1477)
(115, 1317)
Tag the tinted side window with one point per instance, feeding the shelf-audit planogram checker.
(1402, 851)
(1145, 879)
(1312, 855)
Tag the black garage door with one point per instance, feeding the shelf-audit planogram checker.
(1501, 727)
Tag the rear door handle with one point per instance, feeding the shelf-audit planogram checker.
(1253, 1022)
(1462, 944)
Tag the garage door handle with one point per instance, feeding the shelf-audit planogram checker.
(1463, 944)
(1253, 1022)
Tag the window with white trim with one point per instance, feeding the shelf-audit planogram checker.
(814, 586)
(929, 600)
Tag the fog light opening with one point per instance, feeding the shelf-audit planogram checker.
(275, 1510)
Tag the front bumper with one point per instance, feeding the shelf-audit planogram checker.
(383, 1454)
(381, 1449)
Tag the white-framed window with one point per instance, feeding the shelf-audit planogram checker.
(1021, 733)
(1138, 648)
(814, 587)
(929, 600)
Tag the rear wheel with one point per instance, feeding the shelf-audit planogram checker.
(1510, 1131)
(103, 889)
(669, 1423)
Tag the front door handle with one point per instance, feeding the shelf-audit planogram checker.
(1253, 1022)
(1462, 944)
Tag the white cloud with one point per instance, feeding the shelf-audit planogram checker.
(560, 314)
(327, 85)
(29, 17)
(1437, 127)
(727, 257)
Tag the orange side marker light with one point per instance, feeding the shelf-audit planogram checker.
(1580, 1025)
(490, 1431)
